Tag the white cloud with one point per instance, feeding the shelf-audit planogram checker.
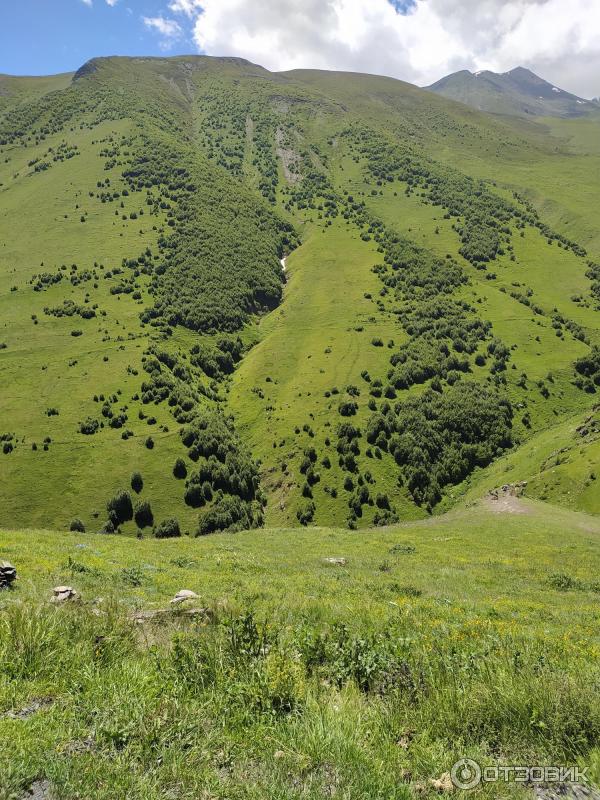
(168, 29)
(87, 3)
(188, 7)
(433, 37)
(112, 2)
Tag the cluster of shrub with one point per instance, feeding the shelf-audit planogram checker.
(225, 483)
(484, 218)
(219, 262)
(587, 369)
(122, 509)
(437, 438)
(70, 308)
(226, 476)
(7, 440)
(228, 113)
(593, 274)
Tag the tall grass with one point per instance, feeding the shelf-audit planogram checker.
(242, 708)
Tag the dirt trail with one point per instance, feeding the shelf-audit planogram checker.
(506, 504)
(507, 499)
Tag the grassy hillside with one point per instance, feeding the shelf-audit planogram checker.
(437, 300)
(559, 464)
(474, 634)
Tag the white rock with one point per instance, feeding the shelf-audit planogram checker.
(62, 593)
(184, 594)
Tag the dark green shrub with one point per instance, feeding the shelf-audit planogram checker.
(77, 525)
(120, 507)
(306, 513)
(137, 482)
(89, 426)
(180, 469)
(143, 514)
(194, 496)
(167, 529)
(382, 501)
(230, 514)
(108, 527)
(348, 408)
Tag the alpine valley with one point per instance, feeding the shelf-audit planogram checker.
(350, 328)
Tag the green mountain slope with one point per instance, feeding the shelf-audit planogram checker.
(438, 306)
(519, 92)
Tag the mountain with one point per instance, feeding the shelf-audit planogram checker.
(518, 92)
(232, 298)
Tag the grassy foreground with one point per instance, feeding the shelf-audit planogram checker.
(472, 634)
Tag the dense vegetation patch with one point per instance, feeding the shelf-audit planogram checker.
(220, 262)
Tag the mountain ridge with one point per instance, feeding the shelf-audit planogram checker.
(517, 92)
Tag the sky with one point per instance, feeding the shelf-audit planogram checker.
(418, 41)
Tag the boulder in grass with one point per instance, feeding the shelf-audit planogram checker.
(40, 790)
(8, 574)
(63, 593)
(443, 784)
(182, 595)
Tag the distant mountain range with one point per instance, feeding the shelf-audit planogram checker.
(519, 92)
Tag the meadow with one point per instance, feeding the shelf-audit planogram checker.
(320, 663)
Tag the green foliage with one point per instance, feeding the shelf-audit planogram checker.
(137, 482)
(588, 371)
(230, 513)
(167, 529)
(220, 262)
(180, 469)
(89, 426)
(120, 507)
(306, 513)
(438, 440)
(143, 515)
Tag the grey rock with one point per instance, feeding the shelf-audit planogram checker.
(182, 595)
(39, 790)
(8, 574)
(29, 710)
(63, 593)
